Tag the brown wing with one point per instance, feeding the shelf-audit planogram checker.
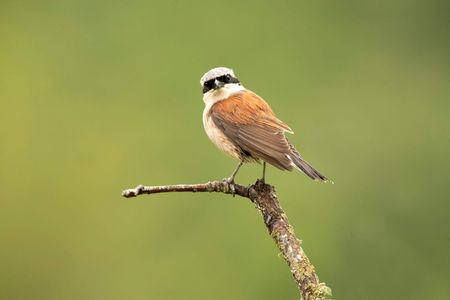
(249, 122)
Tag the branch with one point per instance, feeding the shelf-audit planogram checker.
(265, 198)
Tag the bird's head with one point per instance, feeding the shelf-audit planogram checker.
(219, 83)
(218, 78)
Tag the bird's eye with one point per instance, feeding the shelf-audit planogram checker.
(225, 78)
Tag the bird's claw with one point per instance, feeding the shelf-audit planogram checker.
(231, 186)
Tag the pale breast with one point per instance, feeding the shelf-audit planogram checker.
(217, 137)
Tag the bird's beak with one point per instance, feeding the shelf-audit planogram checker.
(218, 84)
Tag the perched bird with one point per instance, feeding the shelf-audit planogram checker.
(242, 124)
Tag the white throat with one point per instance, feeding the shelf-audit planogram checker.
(214, 96)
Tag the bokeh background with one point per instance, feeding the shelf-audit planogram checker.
(97, 96)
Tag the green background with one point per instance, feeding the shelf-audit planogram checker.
(98, 96)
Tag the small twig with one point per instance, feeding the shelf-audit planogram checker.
(265, 198)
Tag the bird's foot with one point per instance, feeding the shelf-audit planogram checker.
(231, 187)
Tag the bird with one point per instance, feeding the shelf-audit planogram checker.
(242, 124)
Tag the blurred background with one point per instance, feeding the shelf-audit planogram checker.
(98, 96)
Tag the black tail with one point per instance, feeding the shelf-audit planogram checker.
(309, 170)
(305, 167)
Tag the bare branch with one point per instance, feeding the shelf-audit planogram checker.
(265, 198)
(211, 186)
